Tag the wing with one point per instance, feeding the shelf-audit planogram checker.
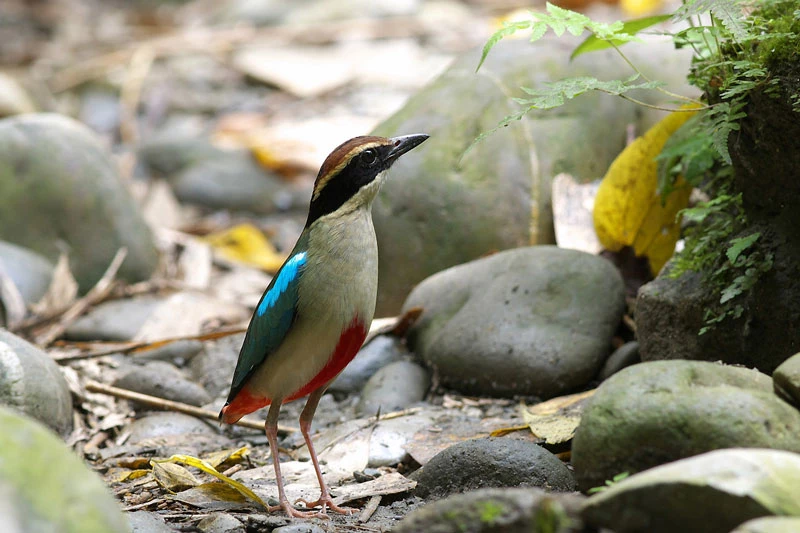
(272, 318)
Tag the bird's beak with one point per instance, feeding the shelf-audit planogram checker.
(403, 144)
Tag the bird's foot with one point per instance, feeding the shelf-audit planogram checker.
(291, 512)
(326, 501)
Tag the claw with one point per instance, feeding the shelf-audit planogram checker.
(326, 502)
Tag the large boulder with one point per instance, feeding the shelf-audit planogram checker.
(444, 205)
(533, 321)
(31, 382)
(45, 487)
(653, 413)
(59, 186)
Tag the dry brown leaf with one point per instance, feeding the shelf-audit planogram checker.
(391, 483)
(62, 292)
(555, 420)
(224, 459)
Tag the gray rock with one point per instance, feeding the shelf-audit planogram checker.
(220, 523)
(213, 367)
(30, 272)
(178, 351)
(786, 380)
(115, 320)
(387, 443)
(770, 524)
(492, 462)
(166, 425)
(453, 206)
(534, 321)
(175, 147)
(394, 387)
(299, 528)
(233, 180)
(381, 351)
(146, 522)
(101, 109)
(59, 185)
(497, 510)
(653, 413)
(163, 380)
(31, 382)
(710, 493)
(45, 487)
(623, 357)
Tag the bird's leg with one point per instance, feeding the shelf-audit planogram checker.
(271, 429)
(306, 417)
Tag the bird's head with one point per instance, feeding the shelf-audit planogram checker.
(352, 174)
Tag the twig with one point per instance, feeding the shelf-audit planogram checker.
(369, 509)
(169, 405)
(96, 293)
(148, 503)
(141, 61)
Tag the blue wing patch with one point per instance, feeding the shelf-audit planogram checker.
(288, 273)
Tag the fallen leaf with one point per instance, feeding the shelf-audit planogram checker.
(391, 483)
(61, 293)
(219, 496)
(246, 244)
(224, 459)
(131, 475)
(628, 211)
(556, 420)
(173, 478)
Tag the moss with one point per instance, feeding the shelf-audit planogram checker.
(491, 511)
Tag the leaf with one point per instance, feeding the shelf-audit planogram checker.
(208, 469)
(173, 478)
(246, 244)
(739, 245)
(224, 459)
(556, 420)
(507, 29)
(61, 293)
(628, 211)
(594, 43)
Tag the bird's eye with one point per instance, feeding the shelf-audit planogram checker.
(369, 157)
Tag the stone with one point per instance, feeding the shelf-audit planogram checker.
(387, 443)
(527, 510)
(32, 383)
(452, 205)
(394, 387)
(166, 425)
(220, 523)
(786, 380)
(101, 109)
(30, 272)
(710, 493)
(653, 413)
(531, 321)
(770, 524)
(46, 487)
(147, 522)
(233, 180)
(58, 186)
(115, 320)
(178, 352)
(492, 462)
(213, 367)
(623, 357)
(299, 528)
(163, 380)
(176, 147)
(379, 352)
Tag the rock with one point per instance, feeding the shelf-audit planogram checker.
(30, 272)
(115, 320)
(45, 487)
(533, 321)
(176, 147)
(299, 528)
(492, 462)
(233, 180)
(14, 99)
(387, 443)
(101, 109)
(452, 206)
(59, 185)
(381, 351)
(163, 380)
(394, 387)
(146, 522)
(710, 493)
(213, 367)
(178, 352)
(786, 380)
(220, 523)
(770, 524)
(497, 510)
(31, 382)
(623, 357)
(653, 413)
(165, 425)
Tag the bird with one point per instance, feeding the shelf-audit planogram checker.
(314, 316)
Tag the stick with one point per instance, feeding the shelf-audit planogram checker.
(170, 405)
(369, 509)
(101, 288)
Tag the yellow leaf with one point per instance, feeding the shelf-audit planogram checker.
(224, 459)
(246, 244)
(208, 469)
(628, 210)
(556, 420)
(172, 477)
(130, 475)
(640, 8)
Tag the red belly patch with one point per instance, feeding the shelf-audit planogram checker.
(346, 349)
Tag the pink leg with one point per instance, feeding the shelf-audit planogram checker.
(306, 417)
(271, 429)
